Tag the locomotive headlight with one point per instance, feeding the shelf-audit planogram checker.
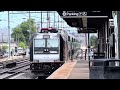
(44, 49)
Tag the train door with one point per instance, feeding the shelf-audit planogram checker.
(72, 49)
(65, 51)
(62, 46)
(112, 45)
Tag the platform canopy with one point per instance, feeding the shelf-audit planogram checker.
(85, 19)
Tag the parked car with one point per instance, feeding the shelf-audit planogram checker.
(5, 55)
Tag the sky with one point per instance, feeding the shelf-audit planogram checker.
(17, 19)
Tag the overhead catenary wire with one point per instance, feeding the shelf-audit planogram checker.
(23, 13)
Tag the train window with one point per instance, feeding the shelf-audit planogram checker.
(52, 42)
(68, 38)
(72, 40)
(39, 43)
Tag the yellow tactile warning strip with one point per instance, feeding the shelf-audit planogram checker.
(64, 71)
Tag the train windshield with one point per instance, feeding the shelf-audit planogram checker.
(52, 43)
(39, 43)
(46, 46)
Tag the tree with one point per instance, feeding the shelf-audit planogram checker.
(22, 45)
(17, 34)
(93, 41)
(3, 48)
(21, 31)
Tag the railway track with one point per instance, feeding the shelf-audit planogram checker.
(21, 66)
(17, 61)
(10, 72)
(17, 71)
(42, 77)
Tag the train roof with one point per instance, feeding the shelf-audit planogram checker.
(46, 30)
(40, 35)
(63, 34)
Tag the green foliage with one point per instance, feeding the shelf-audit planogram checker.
(93, 41)
(22, 45)
(3, 48)
(20, 32)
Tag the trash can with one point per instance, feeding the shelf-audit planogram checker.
(98, 55)
(104, 69)
(96, 68)
(112, 69)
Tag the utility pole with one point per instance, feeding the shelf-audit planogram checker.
(9, 36)
(86, 45)
(41, 19)
(47, 19)
(29, 26)
(18, 40)
(54, 19)
(37, 28)
(2, 41)
(58, 21)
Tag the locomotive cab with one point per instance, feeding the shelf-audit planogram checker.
(45, 51)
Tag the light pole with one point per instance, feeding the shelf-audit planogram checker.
(1, 43)
(29, 35)
(88, 46)
(58, 21)
(29, 24)
(9, 36)
(54, 19)
(38, 27)
(41, 19)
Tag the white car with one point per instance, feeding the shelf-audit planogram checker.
(5, 55)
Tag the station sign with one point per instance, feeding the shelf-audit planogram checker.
(74, 13)
(46, 36)
(87, 14)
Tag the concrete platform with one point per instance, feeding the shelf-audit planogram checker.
(77, 69)
(80, 71)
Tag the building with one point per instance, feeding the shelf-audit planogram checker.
(4, 42)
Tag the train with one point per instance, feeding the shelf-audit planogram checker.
(50, 48)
